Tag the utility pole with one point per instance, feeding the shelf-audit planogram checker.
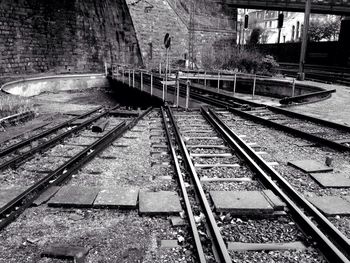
(191, 33)
(279, 26)
(239, 34)
(301, 73)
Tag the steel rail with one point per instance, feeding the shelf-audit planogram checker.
(335, 253)
(50, 143)
(238, 102)
(299, 98)
(299, 133)
(330, 124)
(13, 209)
(275, 109)
(16, 117)
(195, 234)
(215, 231)
(20, 144)
(295, 132)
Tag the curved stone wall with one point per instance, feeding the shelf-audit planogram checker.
(35, 86)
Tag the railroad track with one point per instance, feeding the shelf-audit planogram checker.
(57, 164)
(11, 120)
(323, 132)
(319, 131)
(319, 73)
(208, 147)
(128, 230)
(12, 153)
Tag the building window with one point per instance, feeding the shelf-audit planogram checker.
(293, 32)
(270, 23)
(297, 32)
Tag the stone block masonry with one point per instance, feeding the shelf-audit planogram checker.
(152, 19)
(38, 36)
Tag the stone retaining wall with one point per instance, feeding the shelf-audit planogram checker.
(65, 35)
(154, 18)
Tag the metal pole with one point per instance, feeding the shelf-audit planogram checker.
(160, 68)
(151, 84)
(133, 78)
(301, 73)
(123, 76)
(254, 84)
(106, 73)
(177, 90)
(141, 81)
(234, 85)
(279, 35)
(163, 96)
(187, 93)
(166, 75)
(205, 79)
(243, 37)
(129, 78)
(218, 81)
(169, 66)
(293, 87)
(240, 35)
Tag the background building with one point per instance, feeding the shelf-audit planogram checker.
(291, 31)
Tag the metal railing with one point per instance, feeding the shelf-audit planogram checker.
(154, 83)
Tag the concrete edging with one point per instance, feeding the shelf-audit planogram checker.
(32, 86)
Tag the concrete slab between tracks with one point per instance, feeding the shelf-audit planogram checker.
(169, 244)
(117, 197)
(332, 205)
(177, 221)
(240, 246)
(159, 203)
(45, 196)
(246, 202)
(310, 166)
(331, 180)
(80, 197)
(74, 196)
(66, 252)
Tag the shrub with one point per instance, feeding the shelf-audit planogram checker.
(243, 60)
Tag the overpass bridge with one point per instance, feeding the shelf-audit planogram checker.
(336, 7)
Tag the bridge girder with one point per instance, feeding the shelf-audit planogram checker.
(335, 7)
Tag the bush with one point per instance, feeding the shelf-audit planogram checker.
(243, 60)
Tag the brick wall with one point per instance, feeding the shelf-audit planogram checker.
(154, 18)
(65, 35)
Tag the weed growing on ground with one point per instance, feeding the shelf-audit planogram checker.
(10, 104)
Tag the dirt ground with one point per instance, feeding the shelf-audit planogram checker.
(54, 108)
